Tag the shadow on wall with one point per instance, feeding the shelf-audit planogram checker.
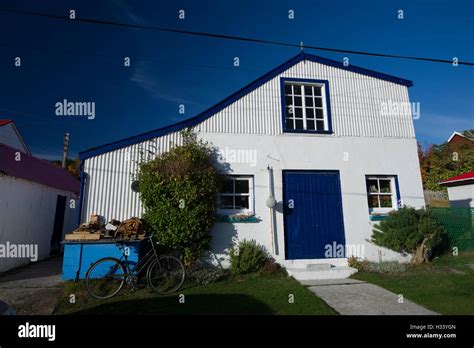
(461, 203)
(209, 304)
(224, 235)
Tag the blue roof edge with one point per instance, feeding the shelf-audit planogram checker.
(98, 150)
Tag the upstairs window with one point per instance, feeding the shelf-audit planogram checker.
(306, 106)
(236, 196)
(381, 192)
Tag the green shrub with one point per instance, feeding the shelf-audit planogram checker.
(247, 257)
(408, 230)
(354, 262)
(178, 190)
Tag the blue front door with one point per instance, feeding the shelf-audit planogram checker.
(312, 214)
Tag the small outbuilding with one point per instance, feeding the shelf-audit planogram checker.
(461, 190)
(37, 203)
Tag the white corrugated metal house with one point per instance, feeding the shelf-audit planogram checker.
(340, 145)
(35, 209)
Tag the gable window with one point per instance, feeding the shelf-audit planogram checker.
(381, 193)
(236, 196)
(306, 106)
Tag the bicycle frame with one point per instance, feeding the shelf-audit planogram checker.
(151, 255)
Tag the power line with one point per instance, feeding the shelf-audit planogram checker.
(228, 37)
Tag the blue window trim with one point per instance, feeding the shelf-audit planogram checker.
(397, 189)
(98, 150)
(327, 100)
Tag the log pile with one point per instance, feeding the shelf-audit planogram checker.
(129, 229)
(133, 228)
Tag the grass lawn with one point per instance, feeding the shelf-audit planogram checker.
(446, 286)
(254, 294)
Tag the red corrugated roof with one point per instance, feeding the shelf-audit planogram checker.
(5, 122)
(37, 170)
(462, 177)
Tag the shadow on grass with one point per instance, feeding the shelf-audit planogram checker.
(209, 304)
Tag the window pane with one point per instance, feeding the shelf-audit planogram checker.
(228, 186)
(385, 186)
(226, 202)
(318, 102)
(298, 101)
(308, 90)
(320, 125)
(373, 201)
(287, 88)
(298, 112)
(289, 123)
(242, 186)
(386, 201)
(309, 113)
(319, 113)
(310, 125)
(290, 111)
(317, 90)
(242, 202)
(288, 101)
(372, 186)
(309, 101)
(299, 124)
(297, 89)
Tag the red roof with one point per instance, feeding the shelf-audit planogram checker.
(462, 177)
(37, 170)
(5, 122)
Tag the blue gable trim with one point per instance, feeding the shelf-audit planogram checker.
(232, 98)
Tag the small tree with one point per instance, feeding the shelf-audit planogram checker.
(408, 230)
(178, 190)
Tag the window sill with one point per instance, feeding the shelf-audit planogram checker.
(306, 131)
(238, 219)
(378, 217)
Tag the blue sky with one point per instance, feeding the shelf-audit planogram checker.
(84, 62)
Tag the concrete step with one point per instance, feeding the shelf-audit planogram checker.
(304, 263)
(319, 267)
(334, 272)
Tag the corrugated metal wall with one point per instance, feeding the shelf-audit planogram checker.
(355, 104)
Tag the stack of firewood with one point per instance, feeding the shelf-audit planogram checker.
(133, 228)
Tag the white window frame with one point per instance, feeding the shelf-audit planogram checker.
(250, 210)
(393, 193)
(323, 107)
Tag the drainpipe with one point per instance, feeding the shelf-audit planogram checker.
(271, 202)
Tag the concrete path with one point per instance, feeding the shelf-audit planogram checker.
(355, 297)
(33, 289)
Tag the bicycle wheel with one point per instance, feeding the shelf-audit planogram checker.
(166, 275)
(105, 278)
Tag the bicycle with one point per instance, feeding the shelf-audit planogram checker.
(106, 277)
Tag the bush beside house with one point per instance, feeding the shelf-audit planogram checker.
(409, 230)
(178, 190)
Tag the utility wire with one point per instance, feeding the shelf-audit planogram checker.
(228, 37)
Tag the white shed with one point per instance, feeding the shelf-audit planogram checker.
(461, 190)
(339, 142)
(35, 207)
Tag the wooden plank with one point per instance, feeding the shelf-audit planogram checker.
(80, 236)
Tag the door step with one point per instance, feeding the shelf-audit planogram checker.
(324, 272)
